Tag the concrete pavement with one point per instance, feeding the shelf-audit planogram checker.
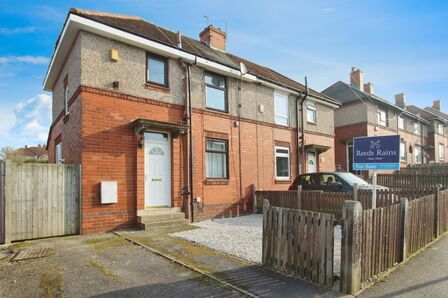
(424, 276)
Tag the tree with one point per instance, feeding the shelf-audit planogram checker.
(6, 153)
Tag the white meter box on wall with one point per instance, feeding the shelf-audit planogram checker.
(109, 192)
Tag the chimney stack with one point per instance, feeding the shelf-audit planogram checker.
(214, 38)
(368, 87)
(357, 79)
(400, 100)
(436, 104)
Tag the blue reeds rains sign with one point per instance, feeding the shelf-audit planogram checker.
(376, 153)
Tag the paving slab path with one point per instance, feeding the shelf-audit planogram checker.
(245, 275)
(426, 275)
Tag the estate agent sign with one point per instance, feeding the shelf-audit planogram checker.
(376, 153)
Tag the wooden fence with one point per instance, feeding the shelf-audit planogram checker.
(414, 181)
(299, 243)
(381, 234)
(420, 223)
(430, 169)
(333, 202)
(41, 200)
(443, 212)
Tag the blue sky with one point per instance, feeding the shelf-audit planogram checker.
(402, 46)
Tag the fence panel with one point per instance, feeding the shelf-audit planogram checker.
(413, 180)
(443, 211)
(380, 240)
(299, 243)
(2, 202)
(42, 200)
(420, 223)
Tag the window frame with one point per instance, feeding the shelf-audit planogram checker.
(380, 122)
(58, 155)
(404, 152)
(415, 125)
(400, 121)
(166, 69)
(441, 156)
(226, 104)
(313, 109)
(282, 178)
(66, 99)
(226, 142)
(419, 155)
(440, 128)
(277, 115)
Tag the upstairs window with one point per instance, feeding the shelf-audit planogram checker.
(441, 152)
(440, 128)
(382, 117)
(400, 122)
(215, 92)
(417, 127)
(282, 169)
(281, 108)
(216, 159)
(156, 70)
(311, 112)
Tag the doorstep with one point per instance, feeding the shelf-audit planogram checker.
(235, 271)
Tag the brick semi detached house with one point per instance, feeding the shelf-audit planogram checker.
(164, 120)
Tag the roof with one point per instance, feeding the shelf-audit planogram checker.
(423, 113)
(437, 113)
(346, 94)
(34, 152)
(142, 28)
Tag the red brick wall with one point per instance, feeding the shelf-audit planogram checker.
(342, 134)
(108, 149)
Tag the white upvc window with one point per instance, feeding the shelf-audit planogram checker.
(282, 163)
(58, 153)
(311, 112)
(441, 152)
(400, 122)
(403, 151)
(440, 129)
(216, 159)
(281, 108)
(418, 154)
(382, 117)
(417, 127)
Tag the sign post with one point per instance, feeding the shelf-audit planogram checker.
(376, 153)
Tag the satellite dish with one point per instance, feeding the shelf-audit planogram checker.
(243, 68)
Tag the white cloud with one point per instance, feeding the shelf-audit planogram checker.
(24, 59)
(32, 120)
(329, 9)
(17, 30)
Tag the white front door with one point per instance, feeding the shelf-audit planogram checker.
(311, 160)
(157, 169)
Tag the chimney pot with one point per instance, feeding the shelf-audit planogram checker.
(179, 40)
(368, 87)
(436, 104)
(214, 37)
(357, 79)
(400, 100)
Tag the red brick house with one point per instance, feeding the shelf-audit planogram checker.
(156, 119)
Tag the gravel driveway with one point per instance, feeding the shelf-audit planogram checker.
(241, 237)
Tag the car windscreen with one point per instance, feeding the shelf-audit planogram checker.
(352, 179)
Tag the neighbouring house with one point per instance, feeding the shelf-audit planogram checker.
(437, 133)
(30, 153)
(161, 119)
(364, 114)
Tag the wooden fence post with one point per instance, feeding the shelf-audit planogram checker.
(2, 202)
(404, 207)
(437, 211)
(8, 201)
(299, 197)
(265, 236)
(355, 192)
(351, 247)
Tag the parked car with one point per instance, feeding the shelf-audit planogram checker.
(331, 181)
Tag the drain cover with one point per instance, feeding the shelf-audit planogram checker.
(32, 253)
